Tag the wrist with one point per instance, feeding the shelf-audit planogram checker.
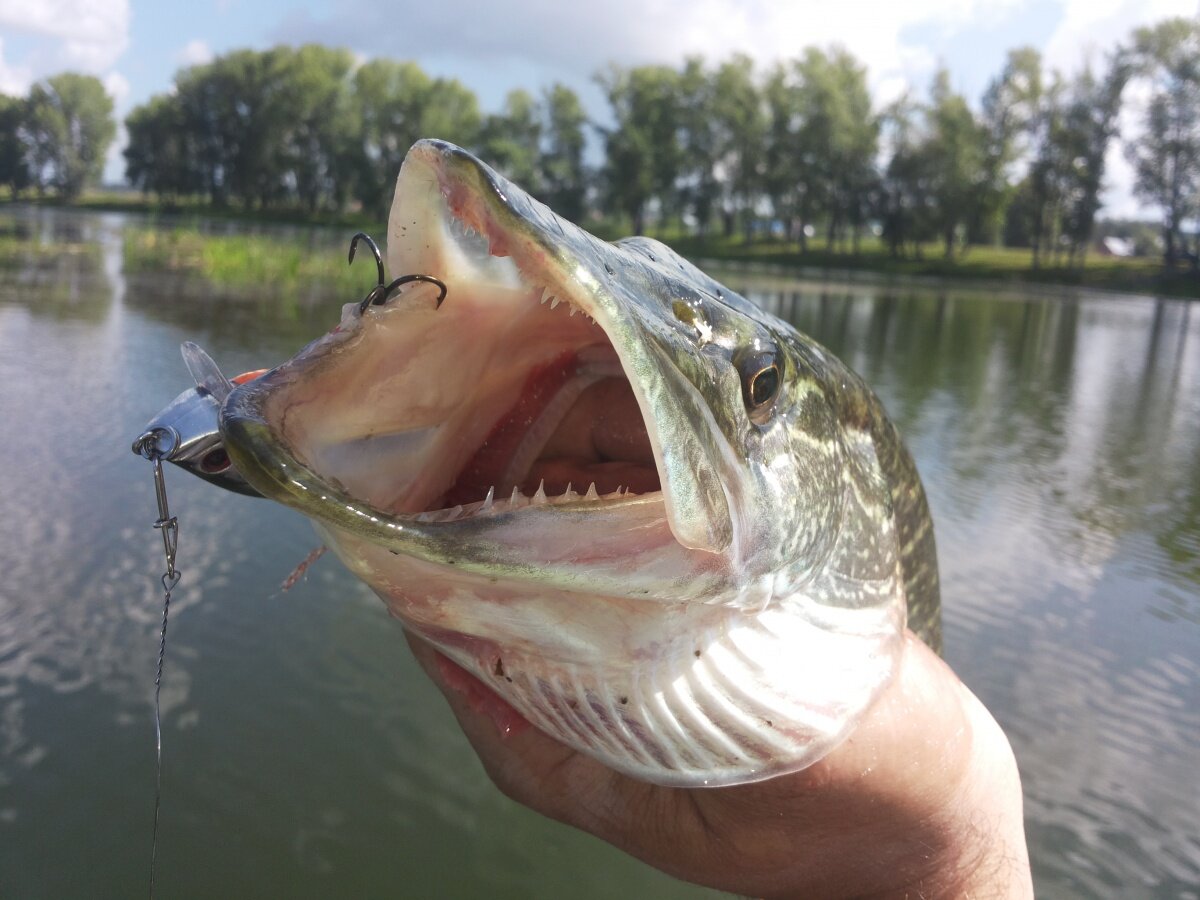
(983, 853)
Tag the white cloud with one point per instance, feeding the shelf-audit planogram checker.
(1087, 32)
(485, 43)
(195, 52)
(69, 35)
(89, 35)
(1090, 28)
(117, 86)
(582, 38)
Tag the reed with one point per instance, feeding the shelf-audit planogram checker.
(266, 262)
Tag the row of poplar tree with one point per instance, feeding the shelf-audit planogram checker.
(797, 150)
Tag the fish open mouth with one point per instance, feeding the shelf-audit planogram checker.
(511, 396)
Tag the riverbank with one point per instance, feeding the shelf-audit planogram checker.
(1006, 265)
(258, 259)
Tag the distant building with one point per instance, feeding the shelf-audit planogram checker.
(1116, 246)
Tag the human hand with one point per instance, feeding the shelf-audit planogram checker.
(923, 799)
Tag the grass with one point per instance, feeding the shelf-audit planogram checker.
(258, 260)
(234, 261)
(978, 263)
(19, 251)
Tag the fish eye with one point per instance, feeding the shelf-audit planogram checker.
(764, 385)
(762, 378)
(215, 461)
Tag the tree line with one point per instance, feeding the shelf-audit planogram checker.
(796, 151)
(57, 137)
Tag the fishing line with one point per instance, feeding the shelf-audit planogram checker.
(150, 446)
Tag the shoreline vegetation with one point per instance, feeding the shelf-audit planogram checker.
(268, 264)
(790, 163)
(173, 241)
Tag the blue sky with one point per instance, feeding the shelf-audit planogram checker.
(136, 46)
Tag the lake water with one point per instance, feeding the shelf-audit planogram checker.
(306, 756)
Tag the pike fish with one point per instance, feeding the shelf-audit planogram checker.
(671, 531)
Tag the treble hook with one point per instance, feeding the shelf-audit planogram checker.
(382, 293)
(363, 236)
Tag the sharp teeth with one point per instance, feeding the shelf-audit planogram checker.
(455, 513)
(569, 494)
(546, 295)
(539, 498)
(554, 301)
(573, 309)
(489, 500)
(516, 495)
(591, 493)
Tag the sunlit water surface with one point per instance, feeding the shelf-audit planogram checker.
(306, 756)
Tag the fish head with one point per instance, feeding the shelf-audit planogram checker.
(589, 475)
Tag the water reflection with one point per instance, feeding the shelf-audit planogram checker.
(1059, 437)
(1060, 442)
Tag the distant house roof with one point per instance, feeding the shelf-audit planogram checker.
(1116, 246)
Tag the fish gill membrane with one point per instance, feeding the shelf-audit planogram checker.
(672, 532)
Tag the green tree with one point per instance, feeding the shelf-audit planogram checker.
(396, 104)
(70, 126)
(1089, 126)
(232, 107)
(1166, 155)
(564, 178)
(158, 157)
(906, 201)
(643, 152)
(13, 170)
(822, 139)
(739, 120)
(697, 182)
(1070, 130)
(511, 140)
(317, 122)
(788, 194)
(1047, 179)
(1009, 106)
(204, 103)
(955, 160)
(854, 145)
